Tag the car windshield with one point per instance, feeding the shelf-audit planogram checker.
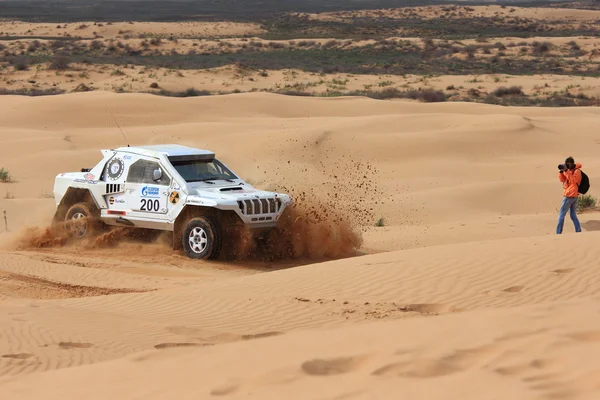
(198, 170)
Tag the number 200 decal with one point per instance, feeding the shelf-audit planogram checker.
(150, 205)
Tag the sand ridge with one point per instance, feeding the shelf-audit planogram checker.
(532, 352)
(455, 280)
(92, 29)
(458, 11)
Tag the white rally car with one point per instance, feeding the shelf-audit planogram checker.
(174, 188)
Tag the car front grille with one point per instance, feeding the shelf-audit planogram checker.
(259, 206)
(113, 188)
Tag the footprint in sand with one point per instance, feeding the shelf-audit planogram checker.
(514, 289)
(455, 362)
(74, 345)
(564, 270)
(18, 356)
(260, 335)
(417, 369)
(332, 366)
(171, 345)
(534, 365)
(225, 389)
(587, 336)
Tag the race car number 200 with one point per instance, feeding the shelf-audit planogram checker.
(150, 205)
(151, 199)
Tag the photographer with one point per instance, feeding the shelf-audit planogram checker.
(570, 175)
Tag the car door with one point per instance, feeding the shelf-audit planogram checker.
(147, 190)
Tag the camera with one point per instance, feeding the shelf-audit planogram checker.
(562, 167)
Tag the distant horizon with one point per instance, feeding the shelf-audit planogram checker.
(204, 10)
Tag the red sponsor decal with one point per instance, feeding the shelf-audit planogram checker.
(116, 212)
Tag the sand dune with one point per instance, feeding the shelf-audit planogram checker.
(563, 15)
(523, 353)
(450, 161)
(91, 29)
(464, 289)
(396, 285)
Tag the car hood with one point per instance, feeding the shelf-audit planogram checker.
(230, 192)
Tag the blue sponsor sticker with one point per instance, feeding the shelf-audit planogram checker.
(149, 191)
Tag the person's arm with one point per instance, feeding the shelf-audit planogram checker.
(562, 177)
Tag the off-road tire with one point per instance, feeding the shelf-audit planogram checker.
(201, 239)
(92, 224)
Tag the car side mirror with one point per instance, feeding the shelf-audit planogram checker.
(157, 174)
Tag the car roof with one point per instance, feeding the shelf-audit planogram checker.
(169, 150)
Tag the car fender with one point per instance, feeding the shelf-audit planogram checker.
(209, 202)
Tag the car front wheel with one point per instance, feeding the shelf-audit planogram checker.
(81, 221)
(200, 239)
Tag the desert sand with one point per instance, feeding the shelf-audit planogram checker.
(463, 292)
(91, 29)
(451, 10)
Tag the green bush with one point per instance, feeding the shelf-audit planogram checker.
(5, 176)
(586, 202)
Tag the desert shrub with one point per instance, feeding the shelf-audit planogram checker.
(424, 95)
(387, 93)
(541, 47)
(306, 43)
(60, 63)
(586, 202)
(428, 42)
(190, 92)
(21, 64)
(33, 46)
(431, 96)
(291, 92)
(574, 46)
(131, 51)
(330, 43)
(194, 92)
(96, 45)
(31, 91)
(510, 91)
(5, 176)
(57, 44)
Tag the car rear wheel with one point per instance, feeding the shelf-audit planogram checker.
(201, 239)
(81, 221)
